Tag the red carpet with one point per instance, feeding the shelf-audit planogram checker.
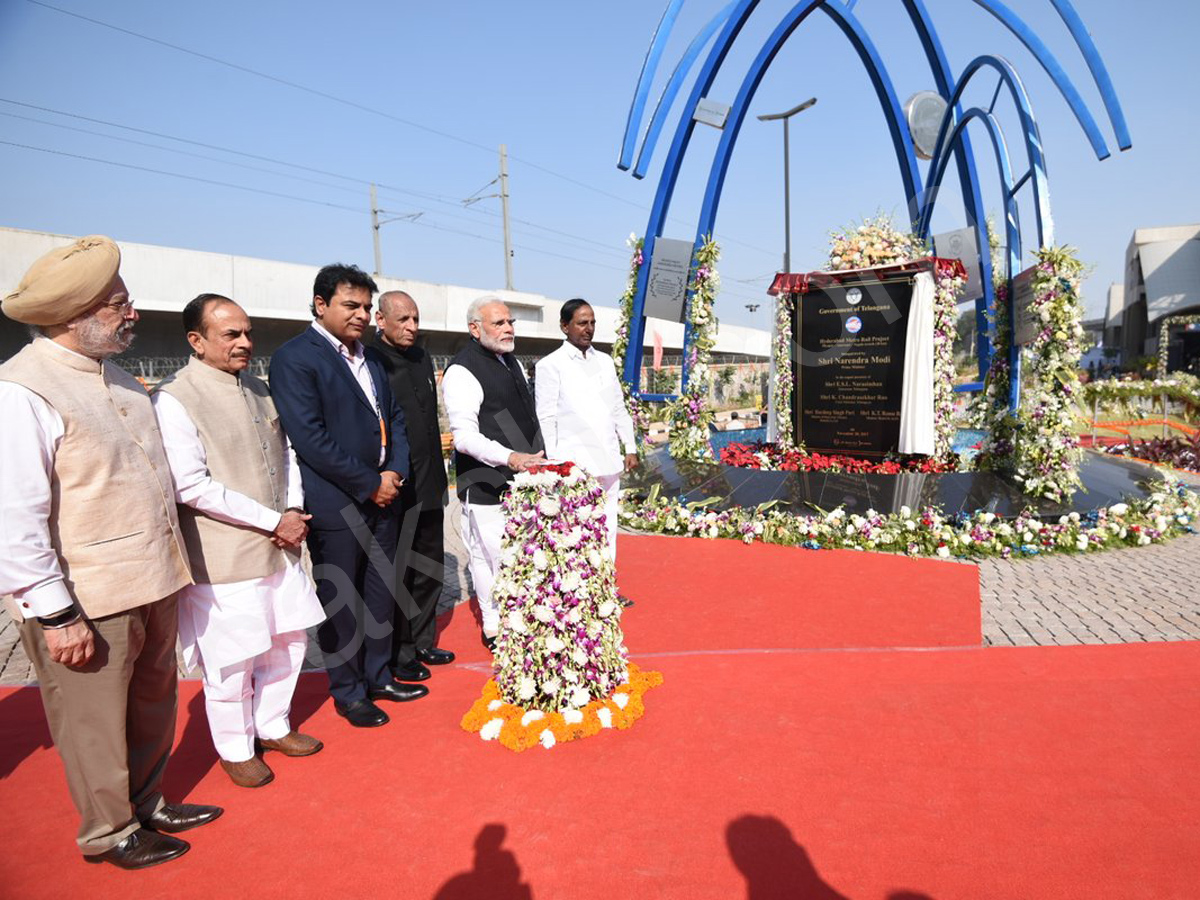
(944, 773)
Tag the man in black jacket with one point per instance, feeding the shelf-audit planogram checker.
(496, 435)
(423, 496)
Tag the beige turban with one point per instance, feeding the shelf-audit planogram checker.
(65, 282)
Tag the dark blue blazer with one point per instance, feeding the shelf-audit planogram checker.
(333, 427)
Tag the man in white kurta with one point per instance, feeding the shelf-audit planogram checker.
(582, 411)
(244, 620)
(494, 423)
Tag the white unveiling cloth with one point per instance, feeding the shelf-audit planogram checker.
(917, 432)
(226, 624)
(581, 410)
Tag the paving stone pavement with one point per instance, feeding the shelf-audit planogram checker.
(1120, 596)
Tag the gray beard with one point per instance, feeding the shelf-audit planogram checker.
(96, 342)
(496, 345)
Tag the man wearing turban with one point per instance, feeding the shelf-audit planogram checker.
(92, 553)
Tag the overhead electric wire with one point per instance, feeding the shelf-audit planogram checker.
(213, 181)
(359, 106)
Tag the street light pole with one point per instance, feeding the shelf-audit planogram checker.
(787, 185)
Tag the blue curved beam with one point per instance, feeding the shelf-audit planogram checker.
(670, 175)
(1034, 44)
(1095, 63)
(1033, 144)
(905, 156)
(968, 178)
(672, 89)
(658, 42)
(1012, 225)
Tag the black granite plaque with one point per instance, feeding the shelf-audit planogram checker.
(849, 365)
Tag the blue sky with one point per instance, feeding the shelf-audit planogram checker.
(418, 97)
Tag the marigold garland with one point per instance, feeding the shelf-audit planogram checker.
(519, 729)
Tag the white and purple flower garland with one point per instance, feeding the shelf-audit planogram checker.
(560, 644)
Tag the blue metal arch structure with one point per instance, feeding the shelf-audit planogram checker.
(954, 140)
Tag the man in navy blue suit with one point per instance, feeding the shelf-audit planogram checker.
(337, 410)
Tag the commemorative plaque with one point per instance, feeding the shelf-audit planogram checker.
(849, 365)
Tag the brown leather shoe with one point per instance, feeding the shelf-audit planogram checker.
(252, 773)
(292, 744)
(142, 849)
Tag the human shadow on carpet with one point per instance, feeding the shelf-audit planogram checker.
(495, 874)
(25, 730)
(193, 756)
(775, 866)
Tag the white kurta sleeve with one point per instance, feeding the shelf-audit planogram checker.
(29, 567)
(547, 387)
(194, 486)
(463, 396)
(295, 488)
(620, 414)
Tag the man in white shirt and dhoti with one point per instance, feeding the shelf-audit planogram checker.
(241, 513)
(581, 409)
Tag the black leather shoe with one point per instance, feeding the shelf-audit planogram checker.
(398, 693)
(176, 817)
(413, 671)
(142, 849)
(624, 601)
(435, 656)
(488, 641)
(361, 714)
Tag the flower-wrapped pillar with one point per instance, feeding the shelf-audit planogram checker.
(562, 669)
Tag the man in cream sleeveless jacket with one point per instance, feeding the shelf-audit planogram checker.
(92, 553)
(242, 516)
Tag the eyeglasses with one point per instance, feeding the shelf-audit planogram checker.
(125, 307)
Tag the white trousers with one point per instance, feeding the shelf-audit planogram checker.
(253, 698)
(612, 494)
(483, 527)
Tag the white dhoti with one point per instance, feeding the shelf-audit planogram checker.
(249, 639)
(612, 496)
(482, 530)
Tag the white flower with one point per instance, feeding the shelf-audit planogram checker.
(575, 615)
(594, 559)
(621, 699)
(551, 686)
(943, 551)
(547, 739)
(555, 645)
(527, 688)
(1119, 509)
(905, 512)
(572, 716)
(543, 614)
(1081, 543)
(570, 675)
(604, 714)
(606, 609)
(571, 582)
(579, 657)
(516, 621)
(540, 559)
(580, 697)
(532, 716)
(548, 507)
(495, 705)
(491, 730)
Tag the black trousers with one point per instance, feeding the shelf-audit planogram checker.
(353, 568)
(419, 574)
